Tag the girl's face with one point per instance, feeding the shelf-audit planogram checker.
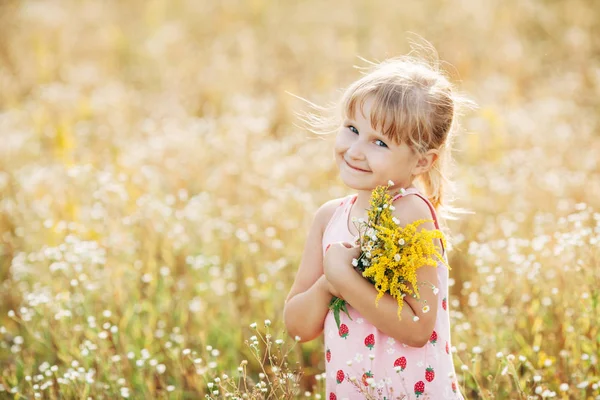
(366, 158)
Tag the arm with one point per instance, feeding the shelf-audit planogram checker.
(361, 294)
(307, 303)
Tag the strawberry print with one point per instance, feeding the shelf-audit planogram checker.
(429, 374)
(445, 304)
(344, 331)
(328, 355)
(366, 376)
(454, 386)
(419, 388)
(339, 378)
(332, 396)
(400, 362)
(447, 348)
(370, 341)
(433, 338)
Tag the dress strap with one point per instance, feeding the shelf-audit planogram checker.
(342, 208)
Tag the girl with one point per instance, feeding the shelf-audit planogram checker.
(398, 122)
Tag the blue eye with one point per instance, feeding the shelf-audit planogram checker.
(382, 143)
(353, 129)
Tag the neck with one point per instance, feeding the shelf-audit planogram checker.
(363, 199)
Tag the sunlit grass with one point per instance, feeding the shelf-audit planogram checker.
(156, 191)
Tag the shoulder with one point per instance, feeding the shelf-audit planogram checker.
(411, 208)
(325, 212)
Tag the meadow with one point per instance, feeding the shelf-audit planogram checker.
(157, 185)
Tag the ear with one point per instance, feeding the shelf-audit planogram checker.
(425, 162)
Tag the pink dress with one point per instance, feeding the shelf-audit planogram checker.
(359, 351)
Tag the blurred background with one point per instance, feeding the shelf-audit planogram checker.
(157, 187)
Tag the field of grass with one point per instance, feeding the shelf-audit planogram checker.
(156, 191)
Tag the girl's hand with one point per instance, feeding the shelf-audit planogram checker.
(337, 262)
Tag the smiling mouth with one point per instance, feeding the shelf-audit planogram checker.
(354, 168)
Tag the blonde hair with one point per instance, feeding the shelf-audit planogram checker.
(413, 103)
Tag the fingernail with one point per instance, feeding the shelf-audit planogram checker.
(328, 246)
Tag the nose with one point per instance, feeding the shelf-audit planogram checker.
(355, 152)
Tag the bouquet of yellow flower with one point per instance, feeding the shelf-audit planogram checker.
(390, 254)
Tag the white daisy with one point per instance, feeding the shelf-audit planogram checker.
(391, 341)
(360, 321)
(391, 350)
(358, 357)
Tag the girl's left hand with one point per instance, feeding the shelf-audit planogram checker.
(338, 260)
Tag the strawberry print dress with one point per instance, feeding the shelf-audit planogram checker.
(363, 362)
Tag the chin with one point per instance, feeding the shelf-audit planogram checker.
(353, 184)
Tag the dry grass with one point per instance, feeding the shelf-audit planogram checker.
(155, 192)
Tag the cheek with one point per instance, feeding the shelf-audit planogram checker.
(341, 144)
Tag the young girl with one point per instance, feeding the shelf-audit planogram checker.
(398, 122)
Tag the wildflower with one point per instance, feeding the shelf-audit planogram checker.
(390, 183)
(383, 240)
(267, 322)
(564, 387)
(415, 318)
(425, 309)
(253, 325)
